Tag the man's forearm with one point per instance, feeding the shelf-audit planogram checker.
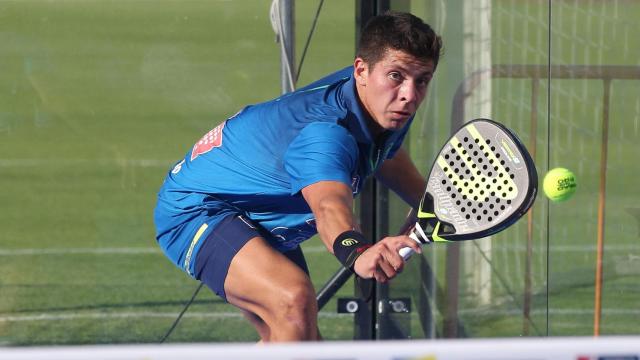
(332, 206)
(401, 175)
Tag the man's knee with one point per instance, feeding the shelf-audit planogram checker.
(297, 302)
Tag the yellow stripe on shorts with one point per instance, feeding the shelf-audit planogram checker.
(194, 242)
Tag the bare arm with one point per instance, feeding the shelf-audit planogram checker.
(401, 175)
(331, 203)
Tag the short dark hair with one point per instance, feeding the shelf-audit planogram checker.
(398, 31)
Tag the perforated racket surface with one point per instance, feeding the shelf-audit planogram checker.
(482, 181)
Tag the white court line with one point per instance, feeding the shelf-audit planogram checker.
(57, 317)
(80, 251)
(235, 315)
(144, 314)
(314, 249)
(565, 248)
(558, 248)
(7, 163)
(513, 312)
(306, 250)
(106, 251)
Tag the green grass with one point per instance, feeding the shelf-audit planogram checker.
(99, 98)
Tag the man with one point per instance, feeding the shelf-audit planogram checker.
(233, 212)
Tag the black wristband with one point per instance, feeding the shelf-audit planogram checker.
(348, 246)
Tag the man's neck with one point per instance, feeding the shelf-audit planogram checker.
(375, 129)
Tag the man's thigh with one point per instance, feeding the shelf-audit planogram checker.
(261, 280)
(224, 244)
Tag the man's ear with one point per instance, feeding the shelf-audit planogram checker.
(360, 71)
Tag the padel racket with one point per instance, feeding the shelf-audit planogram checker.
(482, 181)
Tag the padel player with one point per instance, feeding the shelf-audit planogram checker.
(233, 212)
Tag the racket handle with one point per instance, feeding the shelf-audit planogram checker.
(407, 251)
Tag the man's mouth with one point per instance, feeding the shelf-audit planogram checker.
(401, 114)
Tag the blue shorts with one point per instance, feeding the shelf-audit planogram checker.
(223, 243)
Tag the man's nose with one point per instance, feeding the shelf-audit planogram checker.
(408, 92)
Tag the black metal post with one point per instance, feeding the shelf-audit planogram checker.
(372, 198)
(366, 319)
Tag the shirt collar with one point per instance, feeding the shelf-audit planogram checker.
(357, 117)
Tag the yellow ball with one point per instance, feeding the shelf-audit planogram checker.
(559, 184)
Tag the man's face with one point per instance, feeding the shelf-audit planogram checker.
(393, 88)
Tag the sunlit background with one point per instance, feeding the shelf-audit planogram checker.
(99, 98)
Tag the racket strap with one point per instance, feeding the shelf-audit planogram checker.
(348, 246)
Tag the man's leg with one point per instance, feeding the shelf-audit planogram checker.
(265, 283)
(261, 327)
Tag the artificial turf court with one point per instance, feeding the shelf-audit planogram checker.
(98, 99)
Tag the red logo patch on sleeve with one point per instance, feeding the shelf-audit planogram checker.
(210, 140)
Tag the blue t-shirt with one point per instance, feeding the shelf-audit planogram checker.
(256, 162)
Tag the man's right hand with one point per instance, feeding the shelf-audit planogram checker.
(382, 261)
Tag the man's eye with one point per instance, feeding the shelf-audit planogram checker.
(423, 81)
(395, 76)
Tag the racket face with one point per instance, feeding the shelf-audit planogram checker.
(482, 181)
